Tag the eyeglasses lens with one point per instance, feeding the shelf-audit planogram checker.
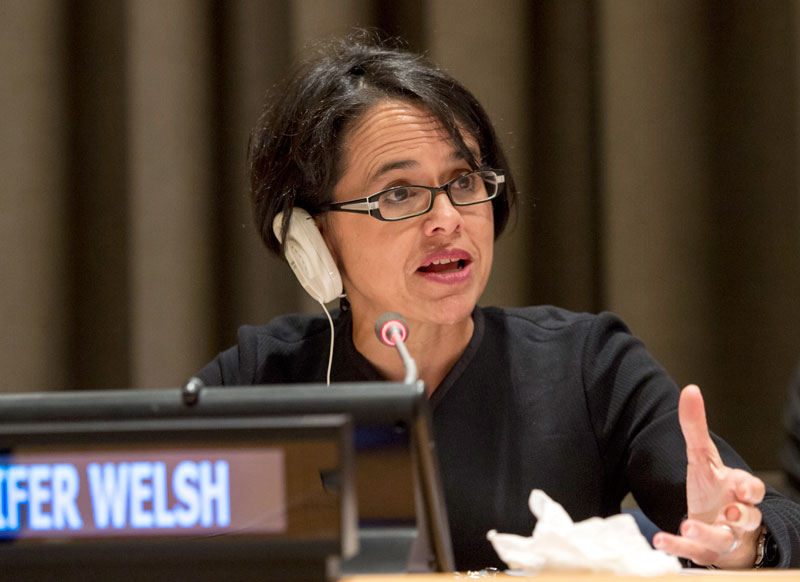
(410, 201)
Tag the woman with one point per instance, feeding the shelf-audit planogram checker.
(401, 170)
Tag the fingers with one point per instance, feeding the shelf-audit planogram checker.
(742, 516)
(723, 524)
(706, 544)
(702, 543)
(718, 540)
(747, 487)
(692, 416)
(684, 548)
(748, 490)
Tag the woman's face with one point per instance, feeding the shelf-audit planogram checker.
(431, 268)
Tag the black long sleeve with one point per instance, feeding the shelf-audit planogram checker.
(543, 398)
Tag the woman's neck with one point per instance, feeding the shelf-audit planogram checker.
(435, 348)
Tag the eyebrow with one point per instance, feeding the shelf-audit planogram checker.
(455, 156)
(393, 165)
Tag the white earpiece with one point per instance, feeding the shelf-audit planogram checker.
(308, 256)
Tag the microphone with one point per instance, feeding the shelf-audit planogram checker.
(392, 330)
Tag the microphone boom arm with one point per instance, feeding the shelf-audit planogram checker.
(412, 374)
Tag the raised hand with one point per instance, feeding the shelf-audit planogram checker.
(723, 521)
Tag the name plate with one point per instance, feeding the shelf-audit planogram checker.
(245, 480)
(143, 492)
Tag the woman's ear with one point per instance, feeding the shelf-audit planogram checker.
(325, 226)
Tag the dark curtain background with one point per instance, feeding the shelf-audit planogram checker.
(656, 143)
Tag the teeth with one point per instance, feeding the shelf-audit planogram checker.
(444, 261)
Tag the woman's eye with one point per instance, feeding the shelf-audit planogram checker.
(399, 195)
(465, 182)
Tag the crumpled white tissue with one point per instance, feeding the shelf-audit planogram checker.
(613, 544)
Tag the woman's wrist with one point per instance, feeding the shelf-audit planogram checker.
(761, 547)
(766, 549)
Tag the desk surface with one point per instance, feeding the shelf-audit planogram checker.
(684, 576)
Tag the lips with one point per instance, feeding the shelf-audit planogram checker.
(447, 266)
(443, 266)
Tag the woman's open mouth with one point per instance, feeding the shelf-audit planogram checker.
(449, 267)
(444, 266)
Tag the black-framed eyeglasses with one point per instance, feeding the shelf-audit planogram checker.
(400, 202)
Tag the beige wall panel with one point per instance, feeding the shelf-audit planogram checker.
(263, 285)
(97, 198)
(655, 182)
(757, 318)
(314, 20)
(486, 50)
(699, 145)
(170, 189)
(560, 149)
(32, 176)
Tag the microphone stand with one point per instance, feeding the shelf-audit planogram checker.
(412, 374)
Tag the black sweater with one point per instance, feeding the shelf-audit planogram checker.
(542, 398)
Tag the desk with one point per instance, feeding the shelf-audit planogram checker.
(686, 576)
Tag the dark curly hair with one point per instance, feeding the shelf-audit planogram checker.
(295, 148)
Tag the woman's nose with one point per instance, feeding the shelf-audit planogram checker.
(444, 218)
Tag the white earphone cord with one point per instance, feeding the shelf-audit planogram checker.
(330, 357)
